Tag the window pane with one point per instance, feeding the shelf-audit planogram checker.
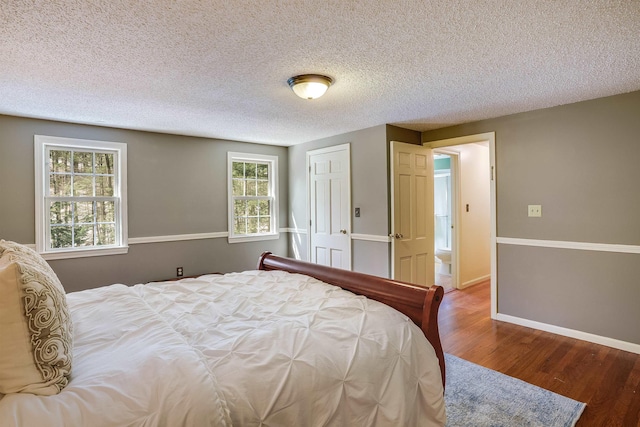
(60, 161)
(251, 188)
(104, 186)
(238, 187)
(252, 225)
(106, 234)
(105, 212)
(237, 169)
(239, 208)
(60, 213)
(82, 185)
(252, 207)
(83, 212)
(239, 226)
(82, 162)
(263, 188)
(83, 235)
(60, 237)
(250, 170)
(104, 163)
(60, 185)
(265, 224)
(263, 206)
(263, 171)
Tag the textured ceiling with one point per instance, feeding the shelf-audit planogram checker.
(219, 68)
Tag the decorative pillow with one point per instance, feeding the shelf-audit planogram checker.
(36, 342)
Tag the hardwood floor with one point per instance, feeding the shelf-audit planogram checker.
(606, 379)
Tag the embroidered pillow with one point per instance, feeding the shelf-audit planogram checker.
(37, 335)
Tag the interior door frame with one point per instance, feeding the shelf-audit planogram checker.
(346, 147)
(489, 137)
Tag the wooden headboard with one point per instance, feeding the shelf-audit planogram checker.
(418, 303)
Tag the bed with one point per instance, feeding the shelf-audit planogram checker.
(282, 345)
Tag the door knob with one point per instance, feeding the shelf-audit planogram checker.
(396, 236)
(343, 231)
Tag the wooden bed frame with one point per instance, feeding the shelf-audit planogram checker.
(418, 303)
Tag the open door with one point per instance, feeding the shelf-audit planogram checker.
(412, 215)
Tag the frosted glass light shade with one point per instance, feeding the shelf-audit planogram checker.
(310, 86)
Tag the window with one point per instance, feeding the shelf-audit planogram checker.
(253, 197)
(81, 201)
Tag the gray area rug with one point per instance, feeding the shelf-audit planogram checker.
(477, 396)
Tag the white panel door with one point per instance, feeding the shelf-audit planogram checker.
(412, 213)
(330, 207)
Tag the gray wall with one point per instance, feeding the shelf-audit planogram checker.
(580, 162)
(176, 185)
(368, 192)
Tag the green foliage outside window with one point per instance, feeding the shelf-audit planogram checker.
(252, 198)
(81, 222)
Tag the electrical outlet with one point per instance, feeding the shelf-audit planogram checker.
(179, 272)
(535, 210)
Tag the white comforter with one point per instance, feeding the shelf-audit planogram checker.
(247, 349)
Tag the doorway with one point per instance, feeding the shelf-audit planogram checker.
(445, 202)
(468, 207)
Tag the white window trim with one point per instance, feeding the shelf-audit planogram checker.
(41, 142)
(246, 157)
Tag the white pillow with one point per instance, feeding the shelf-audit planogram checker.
(36, 342)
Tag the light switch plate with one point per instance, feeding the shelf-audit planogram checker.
(535, 210)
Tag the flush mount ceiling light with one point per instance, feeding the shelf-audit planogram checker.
(310, 86)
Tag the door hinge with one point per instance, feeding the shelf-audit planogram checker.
(491, 173)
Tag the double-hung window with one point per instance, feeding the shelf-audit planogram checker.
(81, 203)
(253, 197)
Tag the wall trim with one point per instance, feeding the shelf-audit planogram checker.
(584, 246)
(185, 237)
(475, 281)
(370, 238)
(177, 237)
(571, 333)
(294, 230)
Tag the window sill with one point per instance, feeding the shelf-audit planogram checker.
(256, 238)
(83, 253)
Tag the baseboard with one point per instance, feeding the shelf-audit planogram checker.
(571, 333)
(475, 281)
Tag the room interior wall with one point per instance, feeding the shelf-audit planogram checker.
(475, 224)
(177, 185)
(576, 267)
(368, 192)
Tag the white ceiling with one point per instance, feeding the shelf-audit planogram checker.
(219, 68)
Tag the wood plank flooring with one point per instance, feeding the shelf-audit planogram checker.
(606, 379)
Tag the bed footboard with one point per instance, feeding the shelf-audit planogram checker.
(420, 304)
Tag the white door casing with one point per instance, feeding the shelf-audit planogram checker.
(412, 215)
(329, 206)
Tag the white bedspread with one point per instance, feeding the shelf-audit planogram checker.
(245, 349)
